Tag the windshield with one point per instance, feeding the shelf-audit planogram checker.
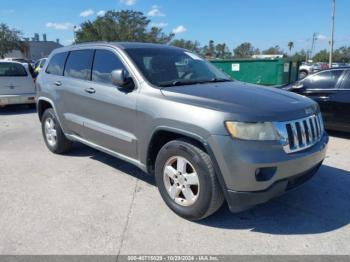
(169, 67)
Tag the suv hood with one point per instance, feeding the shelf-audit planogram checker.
(246, 102)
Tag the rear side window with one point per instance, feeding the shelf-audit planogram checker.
(323, 80)
(12, 69)
(79, 64)
(104, 63)
(56, 64)
(346, 82)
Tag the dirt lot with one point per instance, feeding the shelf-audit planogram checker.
(90, 203)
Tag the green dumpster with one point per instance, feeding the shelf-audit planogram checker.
(260, 71)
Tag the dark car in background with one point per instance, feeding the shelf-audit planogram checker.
(331, 89)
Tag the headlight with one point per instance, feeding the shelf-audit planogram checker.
(252, 131)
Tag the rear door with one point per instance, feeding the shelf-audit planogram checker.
(321, 87)
(71, 89)
(15, 79)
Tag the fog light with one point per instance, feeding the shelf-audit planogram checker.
(265, 173)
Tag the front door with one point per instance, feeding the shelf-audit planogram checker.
(341, 102)
(110, 113)
(321, 87)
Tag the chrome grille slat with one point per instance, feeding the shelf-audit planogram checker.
(318, 126)
(295, 135)
(315, 126)
(303, 133)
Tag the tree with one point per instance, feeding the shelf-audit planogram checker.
(10, 39)
(125, 25)
(276, 50)
(193, 46)
(222, 51)
(299, 56)
(321, 56)
(245, 50)
(290, 47)
(342, 55)
(209, 50)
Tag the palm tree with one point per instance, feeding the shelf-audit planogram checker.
(290, 46)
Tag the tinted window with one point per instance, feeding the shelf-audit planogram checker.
(79, 64)
(346, 82)
(56, 64)
(12, 69)
(104, 63)
(323, 80)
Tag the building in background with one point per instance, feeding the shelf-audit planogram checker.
(36, 48)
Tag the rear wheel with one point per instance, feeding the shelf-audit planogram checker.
(186, 180)
(53, 135)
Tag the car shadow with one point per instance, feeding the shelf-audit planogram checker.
(321, 205)
(81, 150)
(339, 134)
(16, 110)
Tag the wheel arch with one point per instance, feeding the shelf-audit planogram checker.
(163, 135)
(42, 105)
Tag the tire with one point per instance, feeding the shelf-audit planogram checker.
(59, 144)
(208, 197)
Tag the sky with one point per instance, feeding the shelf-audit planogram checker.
(264, 23)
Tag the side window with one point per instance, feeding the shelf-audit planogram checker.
(104, 63)
(12, 69)
(346, 81)
(79, 64)
(323, 80)
(56, 64)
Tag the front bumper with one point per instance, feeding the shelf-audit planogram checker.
(240, 201)
(239, 162)
(17, 99)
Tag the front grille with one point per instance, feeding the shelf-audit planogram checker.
(302, 133)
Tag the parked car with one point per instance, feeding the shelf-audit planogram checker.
(16, 84)
(39, 65)
(205, 137)
(307, 69)
(331, 89)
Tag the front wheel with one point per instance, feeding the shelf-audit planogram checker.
(186, 180)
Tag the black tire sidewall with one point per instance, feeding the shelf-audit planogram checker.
(50, 113)
(202, 204)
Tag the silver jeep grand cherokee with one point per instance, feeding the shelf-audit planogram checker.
(205, 137)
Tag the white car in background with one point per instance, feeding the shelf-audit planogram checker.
(16, 84)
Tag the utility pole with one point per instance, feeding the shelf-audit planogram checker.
(310, 51)
(314, 38)
(332, 35)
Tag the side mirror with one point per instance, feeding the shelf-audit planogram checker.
(121, 79)
(298, 86)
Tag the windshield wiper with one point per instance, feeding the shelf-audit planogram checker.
(179, 83)
(193, 82)
(216, 80)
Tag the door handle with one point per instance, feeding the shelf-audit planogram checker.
(90, 90)
(324, 98)
(58, 83)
